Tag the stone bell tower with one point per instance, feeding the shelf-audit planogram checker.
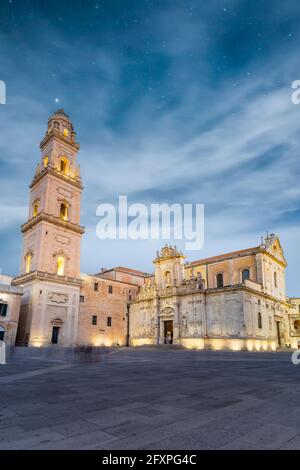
(50, 262)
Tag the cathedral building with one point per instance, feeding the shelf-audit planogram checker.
(232, 301)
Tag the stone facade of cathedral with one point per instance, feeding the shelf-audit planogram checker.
(236, 300)
(232, 301)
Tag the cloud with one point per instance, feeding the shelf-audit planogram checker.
(185, 104)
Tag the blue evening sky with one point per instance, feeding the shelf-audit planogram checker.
(173, 101)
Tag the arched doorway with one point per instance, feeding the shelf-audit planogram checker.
(167, 326)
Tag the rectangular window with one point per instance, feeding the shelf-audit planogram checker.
(96, 287)
(110, 289)
(94, 320)
(3, 310)
(108, 321)
(82, 298)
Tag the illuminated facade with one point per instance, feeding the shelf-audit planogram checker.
(232, 301)
(236, 300)
(50, 263)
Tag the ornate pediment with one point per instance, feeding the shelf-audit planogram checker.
(168, 252)
(273, 246)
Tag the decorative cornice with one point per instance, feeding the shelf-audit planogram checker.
(41, 275)
(56, 134)
(9, 289)
(52, 171)
(45, 217)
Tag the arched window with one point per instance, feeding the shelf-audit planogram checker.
(63, 165)
(275, 280)
(259, 320)
(60, 266)
(45, 161)
(63, 213)
(28, 261)
(245, 274)
(220, 281)
(35, 208)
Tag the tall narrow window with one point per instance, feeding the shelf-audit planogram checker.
(94, 320)
(63, 165)
(108, 321)
(28, 261)
(35, 209)
(2, 332)
(259, 320)
(63, 211)
(3, 309)
(245, 275)
(60, 266)
(220, 281)
(96, 286)
(110, 289)
(45, 161)
(275, 280)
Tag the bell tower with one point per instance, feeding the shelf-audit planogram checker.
(50, 262)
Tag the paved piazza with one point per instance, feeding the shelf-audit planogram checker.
(150, 398)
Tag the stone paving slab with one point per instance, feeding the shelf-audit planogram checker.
(151, 398)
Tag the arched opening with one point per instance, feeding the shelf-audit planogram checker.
(64, 165)
(63, 212)
(245, 274)
(2, 333)
(35, 209)
(28, 262)
(45, 161)
(259, 320)
(66, 132)
(220, 280)
(60, 266)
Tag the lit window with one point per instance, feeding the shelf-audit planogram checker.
(245, 275)
(220, 282)
(63, 166)
(35, 209)
(60, 266)
(3, 309)
(63, 211)
(45, 161)
(94, 320)
(66, 132)
(28, 261)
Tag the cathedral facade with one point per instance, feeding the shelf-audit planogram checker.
(232, 301)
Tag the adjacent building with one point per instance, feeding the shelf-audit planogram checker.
(10, 299)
